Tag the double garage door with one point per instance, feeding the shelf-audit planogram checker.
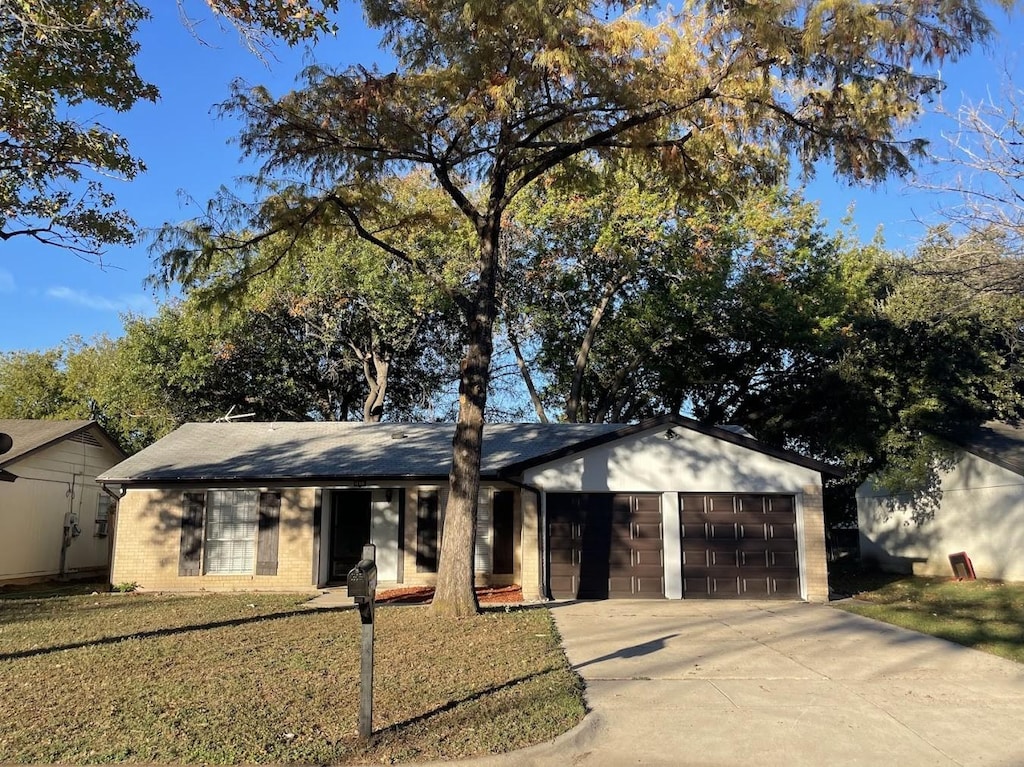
(604, 545)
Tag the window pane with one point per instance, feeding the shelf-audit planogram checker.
(232, 517)
(103, 513)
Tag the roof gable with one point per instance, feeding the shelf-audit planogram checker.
(30, 435)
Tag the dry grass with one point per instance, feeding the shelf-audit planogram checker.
(985, 615)
(247, 678)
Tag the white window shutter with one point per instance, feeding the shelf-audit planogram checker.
(483, 552)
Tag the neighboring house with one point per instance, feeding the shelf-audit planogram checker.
(665, 508)
(54, 517)
(976, 505)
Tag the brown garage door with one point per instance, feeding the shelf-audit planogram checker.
(605, 545)
(739, 546)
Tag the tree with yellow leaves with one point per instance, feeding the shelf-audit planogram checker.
(490, 98)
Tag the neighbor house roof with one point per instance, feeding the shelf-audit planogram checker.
(323, 451)
(30, 435)
(1000, 442)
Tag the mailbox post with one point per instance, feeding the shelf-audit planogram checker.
(362, 586)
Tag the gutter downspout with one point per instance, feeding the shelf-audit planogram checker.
(542, 531)
(112, 523)
(117, 496)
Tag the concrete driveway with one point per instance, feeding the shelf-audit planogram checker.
(778, 683)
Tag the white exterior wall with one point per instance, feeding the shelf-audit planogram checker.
(33, 508)
(673, 545)
(980, 510)
(384, 533)
(690, 462)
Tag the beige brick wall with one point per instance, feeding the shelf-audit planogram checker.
(148, 539)
(413, 578)
(814, 551)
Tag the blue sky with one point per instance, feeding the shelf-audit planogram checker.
(48, 295)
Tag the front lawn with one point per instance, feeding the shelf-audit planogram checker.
(258, 678)
(985, 615)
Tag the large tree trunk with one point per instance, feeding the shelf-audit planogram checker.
(455, 595)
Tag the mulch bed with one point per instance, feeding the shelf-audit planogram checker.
(421, 595)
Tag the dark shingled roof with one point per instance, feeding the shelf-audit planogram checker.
(334, 450)
(343, 451)
(1000, 442)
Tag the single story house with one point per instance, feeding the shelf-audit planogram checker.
(665, 508)
(54, 516)
(975, 506)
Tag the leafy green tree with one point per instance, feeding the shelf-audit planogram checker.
(929, 357)
(32, 385)
(61, 63)
(580, 255)
(490, 99)
(639, 307)
(76, 380)
(294, 349)
(372, 329)
(774, 310)
(191, 366)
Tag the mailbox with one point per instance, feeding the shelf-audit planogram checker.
(362, 586)
(362, 581)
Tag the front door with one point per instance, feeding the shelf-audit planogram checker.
(350, 530)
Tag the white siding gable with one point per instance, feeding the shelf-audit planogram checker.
(689, 461)
(52, 483)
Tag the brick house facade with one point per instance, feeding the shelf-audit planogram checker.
(665, 508)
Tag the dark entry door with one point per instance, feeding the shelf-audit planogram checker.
(739, 546)
(605, 545)
(350, 530)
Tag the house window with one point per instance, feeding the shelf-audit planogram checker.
(232, 520)
(106, 503)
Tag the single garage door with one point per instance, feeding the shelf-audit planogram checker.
(605, 545)
(739, 546)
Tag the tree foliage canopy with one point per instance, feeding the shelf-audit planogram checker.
(622, 304)
(63, 63)
(56, 62)
(79, 380)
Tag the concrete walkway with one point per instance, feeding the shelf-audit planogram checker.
(777, 683)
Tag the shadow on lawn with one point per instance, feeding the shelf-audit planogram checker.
(848, 577)
(397, 727)
(51, 588)
(156, 633)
